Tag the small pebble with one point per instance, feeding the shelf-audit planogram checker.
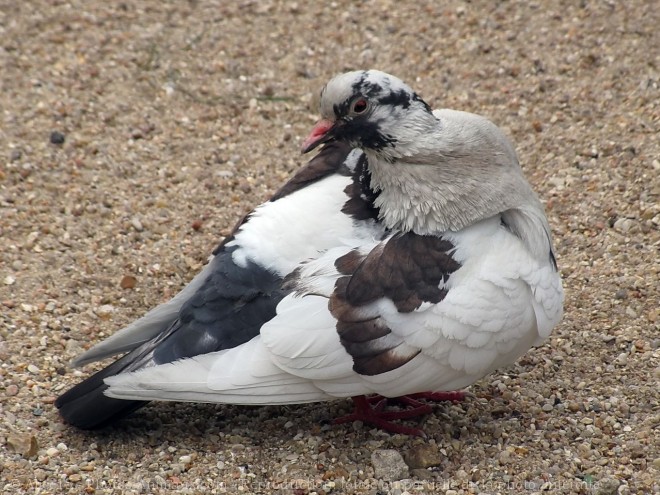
(128, 282)
(621, 294)
(622, 359)
(423, 456)
(422, 474)
(137, 224)
(56, 137)
(24, 444)
(389, 465)
(624, 225)
(15, 155)
(105, 311)
(504, 457)
(607, 486)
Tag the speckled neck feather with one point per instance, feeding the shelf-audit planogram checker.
(463, 171)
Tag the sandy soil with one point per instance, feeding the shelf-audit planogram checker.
(134, 135)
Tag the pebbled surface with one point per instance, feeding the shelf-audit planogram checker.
(135, 135)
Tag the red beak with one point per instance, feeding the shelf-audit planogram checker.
(320, 134)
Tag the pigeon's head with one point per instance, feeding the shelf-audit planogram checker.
(371, 110)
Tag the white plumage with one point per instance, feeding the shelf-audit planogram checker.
(421, 263)
(499, 304)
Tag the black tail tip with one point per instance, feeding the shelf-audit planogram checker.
(93, 410)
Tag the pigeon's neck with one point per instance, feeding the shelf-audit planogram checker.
(409, 202)
(450, 196)
(451, 171)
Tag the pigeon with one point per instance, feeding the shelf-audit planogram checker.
(407, 260)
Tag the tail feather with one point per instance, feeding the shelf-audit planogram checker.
(86, 407)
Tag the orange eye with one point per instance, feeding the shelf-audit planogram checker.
(359, 106)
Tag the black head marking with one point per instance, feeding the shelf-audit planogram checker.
(340, 109)
(364, 133)
(426, 106)
(369, 134)
(370, 90)
(364, 87)
(398, 98)
(402, 98)
(357, 85)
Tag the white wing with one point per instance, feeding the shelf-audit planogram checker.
(488, 317)
(498, 304)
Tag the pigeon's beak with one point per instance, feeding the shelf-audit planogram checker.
(321, 133)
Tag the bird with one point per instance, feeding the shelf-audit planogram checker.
(408, 259)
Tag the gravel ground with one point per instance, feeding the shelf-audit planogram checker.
(133, 136)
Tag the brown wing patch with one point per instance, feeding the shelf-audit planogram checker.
(372, 346)
(328, 161)
(381, 363)
(408, 269)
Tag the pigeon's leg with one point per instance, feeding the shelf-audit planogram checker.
(371, 411)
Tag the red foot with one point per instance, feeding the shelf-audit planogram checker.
(370, 410)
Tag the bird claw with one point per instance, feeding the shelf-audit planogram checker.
(381, 419)
(371, 410)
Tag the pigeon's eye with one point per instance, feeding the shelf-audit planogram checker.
(359, 106)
